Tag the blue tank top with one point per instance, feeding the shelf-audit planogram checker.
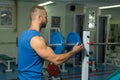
(30, 65)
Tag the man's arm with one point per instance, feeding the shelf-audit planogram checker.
(39, 45)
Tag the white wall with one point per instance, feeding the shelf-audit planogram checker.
(79, 9)
(58, 10)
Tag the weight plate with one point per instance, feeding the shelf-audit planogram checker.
(73, 38)
(57, 38)
(53, 70)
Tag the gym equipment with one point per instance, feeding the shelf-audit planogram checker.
(7, 60)
(53, 70)
(73, 38)
(91, 43)
(58, 44)
(92, 64)
(85, 65)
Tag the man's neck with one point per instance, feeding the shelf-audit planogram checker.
(35, 26)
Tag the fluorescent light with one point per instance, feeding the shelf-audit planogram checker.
(45, 3)
(106, 7)
(3, 14)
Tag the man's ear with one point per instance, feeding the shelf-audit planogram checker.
(39, 17)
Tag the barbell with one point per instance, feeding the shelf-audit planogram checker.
(58, 43)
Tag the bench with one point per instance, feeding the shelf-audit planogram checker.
(6, 60)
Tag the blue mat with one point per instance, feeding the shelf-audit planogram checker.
(115, 75)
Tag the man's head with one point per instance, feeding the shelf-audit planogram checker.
(39, 14)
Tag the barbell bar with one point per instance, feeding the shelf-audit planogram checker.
(67, 44)
(91, 43)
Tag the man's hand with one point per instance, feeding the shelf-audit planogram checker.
(77, 48)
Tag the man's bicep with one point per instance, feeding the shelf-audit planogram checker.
(39, 45)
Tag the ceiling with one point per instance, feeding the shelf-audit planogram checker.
(92, 3)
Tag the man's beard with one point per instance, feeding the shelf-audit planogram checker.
(43, 25)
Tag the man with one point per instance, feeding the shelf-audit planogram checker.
(32, 48)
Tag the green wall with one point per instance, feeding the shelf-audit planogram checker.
(58, 9)
(9, 35)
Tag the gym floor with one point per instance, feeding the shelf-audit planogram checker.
(74, 73)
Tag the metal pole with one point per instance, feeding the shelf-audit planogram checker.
(85, 65)
(67, 44)
(106, 44)
(55, 45)
(70, 44)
